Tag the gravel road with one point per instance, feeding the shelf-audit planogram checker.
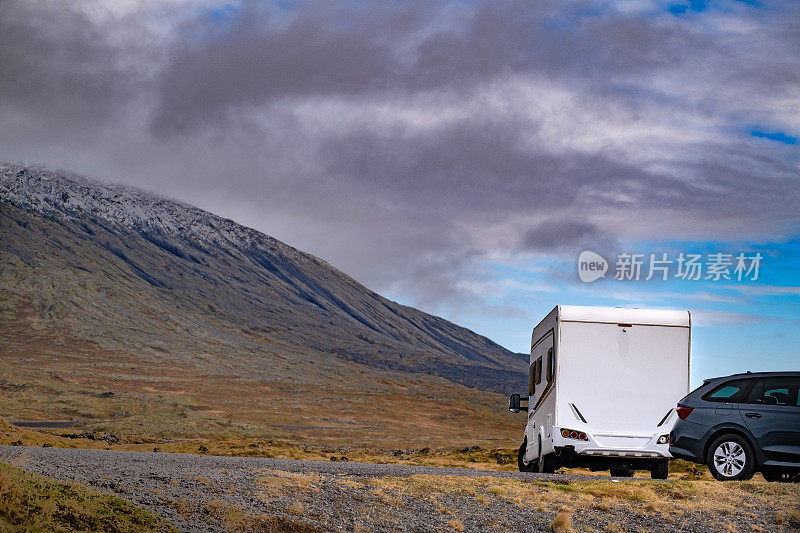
(178, 486)
(198, 493)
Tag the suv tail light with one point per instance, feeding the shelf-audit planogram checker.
(683, 412)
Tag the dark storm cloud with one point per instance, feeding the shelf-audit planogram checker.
(58, 64)
(479, 168)
(406, 141)
(330, 48)
(560, 233)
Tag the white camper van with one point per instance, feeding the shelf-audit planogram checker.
(603, 385)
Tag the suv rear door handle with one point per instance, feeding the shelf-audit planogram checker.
(753, 415)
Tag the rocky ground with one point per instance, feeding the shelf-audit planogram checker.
(210, 493)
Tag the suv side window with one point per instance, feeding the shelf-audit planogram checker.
(756, 393)
(730, 391)
(776, 391)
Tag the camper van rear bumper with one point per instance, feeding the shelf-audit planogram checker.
(630, 454)
(605, 445)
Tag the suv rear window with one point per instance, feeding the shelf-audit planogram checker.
(730, 391)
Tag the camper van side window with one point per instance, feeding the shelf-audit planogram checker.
(531, 382)
(550, 364)
(539, 370)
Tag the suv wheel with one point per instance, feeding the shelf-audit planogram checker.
(523, 466)
(730, 457)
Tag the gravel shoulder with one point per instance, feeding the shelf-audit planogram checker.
(212, 493)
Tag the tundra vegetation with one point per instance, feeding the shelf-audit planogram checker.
(303, 501)
(30, 502)
(488, 503)
(485, 503)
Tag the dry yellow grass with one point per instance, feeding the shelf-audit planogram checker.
(297, 508)
(231, 515)
(235, 520)
(182, 505)
(456, 525)
(666, 502)
(388, 498)
(276, 482)
(790, 519)
(562, 523)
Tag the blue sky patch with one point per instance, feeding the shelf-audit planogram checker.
(223, 14)
(697, 6)
(701, 6)
(777, 136)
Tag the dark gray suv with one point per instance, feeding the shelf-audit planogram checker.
(741, 424)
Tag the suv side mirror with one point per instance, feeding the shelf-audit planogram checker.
(514, 404)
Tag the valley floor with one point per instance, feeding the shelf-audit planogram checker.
(212, 493)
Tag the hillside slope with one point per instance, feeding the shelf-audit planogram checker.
(126, 275)
(185, 260)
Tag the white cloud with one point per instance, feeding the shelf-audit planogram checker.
(706, 317)
(767, 290)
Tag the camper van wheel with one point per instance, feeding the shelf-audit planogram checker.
(546, 461)
(523, 466)
(660, 470)
(622, 472)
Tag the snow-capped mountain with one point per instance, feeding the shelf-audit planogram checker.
(56, 196)
(136, 272)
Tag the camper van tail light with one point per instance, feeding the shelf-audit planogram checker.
(683, 412)
(572, 434)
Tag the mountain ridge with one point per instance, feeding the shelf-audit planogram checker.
(221, 276)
